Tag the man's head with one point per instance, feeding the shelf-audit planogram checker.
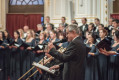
(84, 21)
(115, 23)
(61, 27)
(97, 21)
(72, 31)
(63, 19)
(39, 27)
(100, 27)
(90, 27)
(110, 21)
(47, 19)
(26, 28)
(49, 27)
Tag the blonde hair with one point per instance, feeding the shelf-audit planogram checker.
(21, 32)
(44, 33)
(31, 33)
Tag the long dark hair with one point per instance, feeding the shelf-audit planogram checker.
(3, 35)
(7, 37)
(17, 33)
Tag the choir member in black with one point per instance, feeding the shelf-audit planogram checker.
(28, 55)
(97, 22)
(73, 21)
(61, 28)
(15, 59)
(33, 32)
(2, 70)
(47, 35)
(63, 21)
(53, 38)
(113, 72)
(112, 33)
(47, 19)
(86, 39)
(91, 70)
(39, 29)
(91, 27)
(21, 33)
(25, 28)
(102, 59)
(84, 26)
(100, 27)
(48, 27)
(39, 54)
(60, 37)
(109, 27)
(7, 52)
(115, 24)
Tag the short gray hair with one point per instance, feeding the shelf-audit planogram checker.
(39, 25)
(73, 27)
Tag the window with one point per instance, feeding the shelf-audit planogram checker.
(26, 2)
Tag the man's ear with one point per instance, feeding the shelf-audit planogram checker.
(73, 31)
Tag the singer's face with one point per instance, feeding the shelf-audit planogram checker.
(15, 35)
(52, 35)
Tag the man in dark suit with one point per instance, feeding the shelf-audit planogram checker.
(47, 19)
(63, 20)
(84, 26)
(97, 22)
(109, 28)
(74, 57)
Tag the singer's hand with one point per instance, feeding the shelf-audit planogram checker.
(50, 46)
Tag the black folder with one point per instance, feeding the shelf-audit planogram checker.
(25, 45)
(105, 44)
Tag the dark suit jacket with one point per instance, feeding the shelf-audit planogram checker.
(73, 59)
(85, 29)
(65, 24)
(50, 24)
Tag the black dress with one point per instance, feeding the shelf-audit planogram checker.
(103, 62)
(27, 59)
(2, 66)
(37, 58)
(15, 61)
(91, 68)
(113, 70)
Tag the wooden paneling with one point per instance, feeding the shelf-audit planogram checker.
(116, 6)
(26, 9)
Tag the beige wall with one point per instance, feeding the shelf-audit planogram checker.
(90, 9)
(3, 11)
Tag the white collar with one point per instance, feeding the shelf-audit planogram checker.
(75, 38)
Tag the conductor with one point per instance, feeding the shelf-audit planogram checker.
(73, 58)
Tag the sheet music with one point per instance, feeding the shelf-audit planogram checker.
(43, 68)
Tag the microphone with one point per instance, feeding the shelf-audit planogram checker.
(60, 41)
(54, 43)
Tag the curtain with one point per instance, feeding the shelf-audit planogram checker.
(115, 16)
(16, 21)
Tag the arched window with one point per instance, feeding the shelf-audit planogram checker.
(27, 7)
(26, 2)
